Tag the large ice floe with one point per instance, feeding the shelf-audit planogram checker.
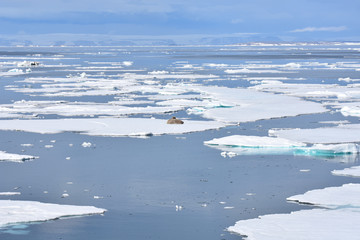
(302, 225)
(14, 212)
(245, 105)
(12, 157)
(248, 145)
(346, 133)
(109, 126)
(340, 204)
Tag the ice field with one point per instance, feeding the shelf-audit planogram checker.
(268, 149)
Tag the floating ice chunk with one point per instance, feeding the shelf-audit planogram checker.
(331, 197)
(108, 126)
(178, 207)
(49, 146)
(27, 145)
(65, 195)
(350, 111)
(86, 144)
(302, 225)
(229, 207)
(12, 212)
(9, 193)
(246, 70)
(127, 63)
(254, 142)
(329, 149)
(351, 172)
(341, 134)
(158, 72)
(247, 145)
(16, 70)
(12, 157)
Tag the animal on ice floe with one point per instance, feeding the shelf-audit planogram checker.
(174, 120)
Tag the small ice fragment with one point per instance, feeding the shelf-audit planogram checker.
(98, 197)
(64, 195)
(27, 145)
(178, 207)
(304, 170)
(69, 183)
(222, 203)
(67, 158)
(83, 75)
(70, 144)
(9, 193)
(223, 154)
(230, 207)
(250, 194)
(231, 154)
(49, 146)
(86, 144)
(204, 205)
(45, 192)
(53, 141)
(127, 63)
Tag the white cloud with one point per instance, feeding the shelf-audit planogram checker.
(321, 29)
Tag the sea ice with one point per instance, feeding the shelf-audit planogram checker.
(9, 193)
(302, 225)
(12, 157)
(340, 134)
(350, 172)
(254, 142)
(109, 126)
(346, 195)
(245, 105)
(247, 145)
(12, 212)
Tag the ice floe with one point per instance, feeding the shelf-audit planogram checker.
(255, 145)
(349, 172)
(12, 157)
(13, 212)
(245, 105)
(9, 193)
(346, 195)
(347, 133)
(302, 225)
(109, 126)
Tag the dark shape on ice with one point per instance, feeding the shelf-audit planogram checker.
(174, 120)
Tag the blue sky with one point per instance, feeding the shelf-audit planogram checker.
(278, 19)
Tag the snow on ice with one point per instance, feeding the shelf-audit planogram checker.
(13, 212)
(108, 126)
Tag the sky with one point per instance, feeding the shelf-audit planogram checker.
(289, 20)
